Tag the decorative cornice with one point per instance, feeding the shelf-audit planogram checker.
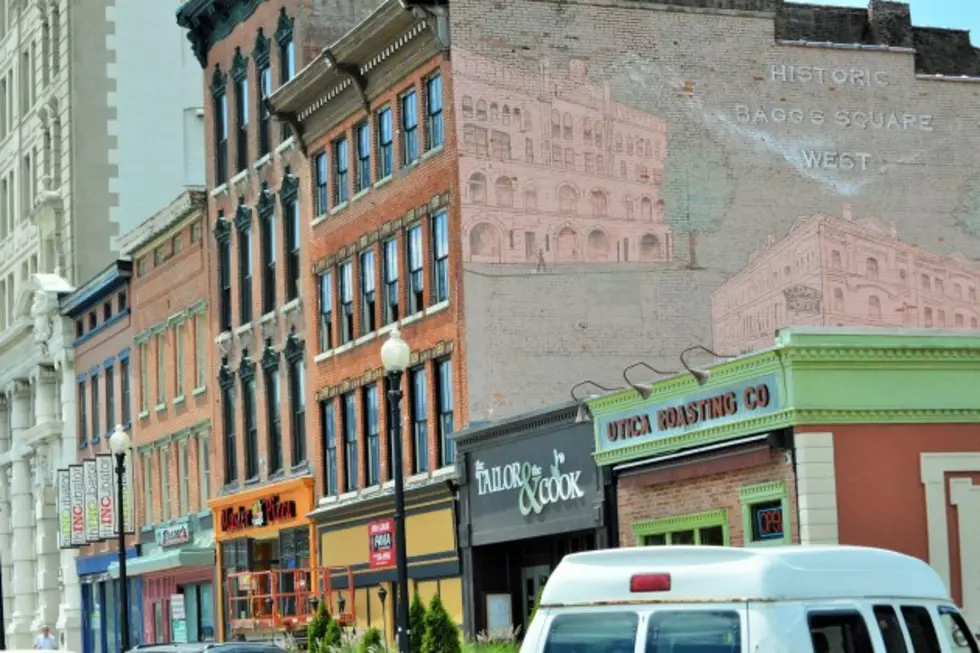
(266, 205)
(222, 228)
(190, 202)
(284, 28)
(246, 369)
(97, 289)
(210, 21)
(755, 493)
(681, 522)
(197, 307)
(860, 355)
(270, 357)
(289, 187)
(226, 377)
(243, 216)
(239, 65)
(260, 53)
(219, 81)
(294, 349)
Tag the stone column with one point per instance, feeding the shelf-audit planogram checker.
(69, 625)
(6, 548)
(20, 631)
(45, 503)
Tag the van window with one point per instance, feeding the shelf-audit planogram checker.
(839, 632)
(957, 632)
(921, 631)
(891, 629)
(598, 632)
(694, 631)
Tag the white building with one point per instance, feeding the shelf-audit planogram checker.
(100, 125)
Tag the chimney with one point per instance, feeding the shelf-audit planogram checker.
(891, 23)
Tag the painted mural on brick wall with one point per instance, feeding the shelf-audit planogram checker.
(619, 206)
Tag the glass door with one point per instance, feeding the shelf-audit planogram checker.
(532, 582)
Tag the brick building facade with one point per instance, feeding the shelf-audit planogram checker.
(173, 390)
(382, 212)
(101, 310)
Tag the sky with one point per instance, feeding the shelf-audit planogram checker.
(959, 14)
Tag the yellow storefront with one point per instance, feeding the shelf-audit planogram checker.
(266, 546)
(354, 538)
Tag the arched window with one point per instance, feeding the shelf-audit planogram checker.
(478, 188)
(530, 199)
(505, 115)
(504, 190)
(467, 106)
(567, 199)
(629, 208)
(481, 110)
(926, 283)
(871, 267)
(650, 248)
(493, 112)
(485, 241)
(598, 246)
(835, 260)
(567, 245)
(599, 204)
(874, 307)
(646, 209)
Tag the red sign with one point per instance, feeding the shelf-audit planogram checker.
(381, 543)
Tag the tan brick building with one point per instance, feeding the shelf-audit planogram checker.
(101, 310)
(173, 388)
(381, 214)
(256, 185)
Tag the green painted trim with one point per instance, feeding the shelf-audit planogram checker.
(198, 307)
(764, 493)
(142, 337)
(177, 318)
(157, 329)
(695, 521)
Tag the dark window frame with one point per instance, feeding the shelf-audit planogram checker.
(341, 171)
(409, 123)
(389, 281)
(440, 256)
(419, 417)
(386, 143)
(445, 410)
(433, 107)
(415, 266)
(82, 413)
(250, 419)
(348, 425)
(372, 434)
(325, 310)
(296, 372)
(362, 150)
(345, 297)
(367, 263)
(328, 435)
(110, 397)
(320, 176)
(125, 391)
(272, 381)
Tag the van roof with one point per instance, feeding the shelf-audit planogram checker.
(709, 573)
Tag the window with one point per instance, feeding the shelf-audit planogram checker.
(440, 257)
(320, 182)
(82, 414)
(224, 278)
(179, 359)
(25, 81)
(765, 514)
(177, 244)
(921, 631)
(228, 428)
(55, 40)
(444, 407)
(267, 232)
(147, 489)
(346, 280)
(413, 237)
(328, 431)
(265, 90)
(694, 630)
(122, 301)
(389, 251)
(182, 475)
(350, 441)
(433, 108)
(106, 311)
(891, 629)
(957, 631)
(386, 149)
(363, 179)
(340, 162)
(196, 232)
(161, 368)
(220, 138)
(110, 399)
(843, 632)
(297, 402)
(124, 393)
(273, 411)
(418, 414)
(200, 349)
(287, 60)
(251, 427)
(325, 283)
(245, 275)
(367, 292)
(372, 435)
(165, 482)
(410, 129)
(204, 468)
(597, 631)
(96, 408)
(702, 529)
(292, 250)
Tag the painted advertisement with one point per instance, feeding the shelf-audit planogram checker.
(381, 543)
(646, 198)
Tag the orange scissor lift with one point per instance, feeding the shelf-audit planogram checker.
(264, 603)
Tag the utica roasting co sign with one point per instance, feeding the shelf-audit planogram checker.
(697, 411)
(263, 512)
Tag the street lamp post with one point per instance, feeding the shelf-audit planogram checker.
(395, 356)
(119, 444)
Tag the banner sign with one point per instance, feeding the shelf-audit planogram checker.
(64, 509)
(129, 502)
(76, 477)
(107, 496)
(91, 501)
(381, 543)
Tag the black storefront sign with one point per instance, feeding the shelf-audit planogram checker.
(541, 483)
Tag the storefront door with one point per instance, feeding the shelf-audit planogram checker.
(533, 580)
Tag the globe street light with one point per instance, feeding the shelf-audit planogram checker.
(119, 445)
(395, 356)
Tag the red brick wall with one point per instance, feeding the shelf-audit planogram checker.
(702, 494)
(413, 194)
(164, 286)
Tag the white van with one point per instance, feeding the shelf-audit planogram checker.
(787, 599)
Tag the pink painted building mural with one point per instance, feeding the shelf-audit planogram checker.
(554, 170)
(845, 271)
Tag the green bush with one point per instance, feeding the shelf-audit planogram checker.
(318, 626)
(372, 641)
(416, 622)
(441, 633)
(334, 634)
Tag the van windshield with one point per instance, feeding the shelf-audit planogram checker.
(694, 631)
(598, 632)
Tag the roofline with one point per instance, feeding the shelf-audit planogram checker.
(474, 432)
(97, 288)
(190, 199)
